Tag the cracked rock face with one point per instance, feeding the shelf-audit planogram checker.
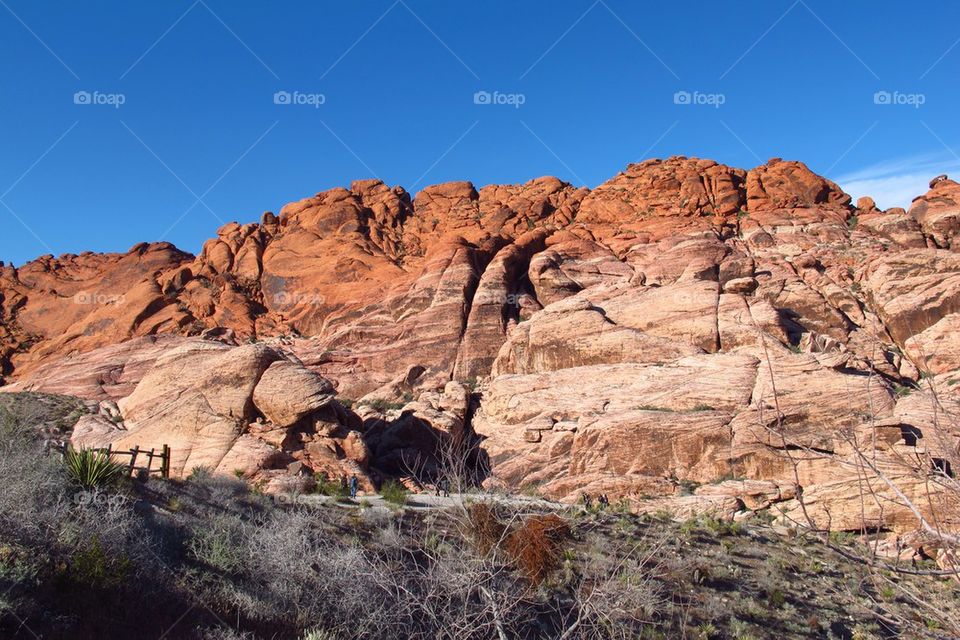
(681, 328)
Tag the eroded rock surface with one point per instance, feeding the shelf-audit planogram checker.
(686, 333)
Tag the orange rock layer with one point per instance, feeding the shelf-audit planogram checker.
(665, 327)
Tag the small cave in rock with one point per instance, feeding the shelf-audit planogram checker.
(910, 435)
(943, 466)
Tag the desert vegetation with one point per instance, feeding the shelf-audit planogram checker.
(102, 556)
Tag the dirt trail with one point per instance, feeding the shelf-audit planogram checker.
(429, 501)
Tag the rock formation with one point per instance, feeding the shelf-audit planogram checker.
(687, 333)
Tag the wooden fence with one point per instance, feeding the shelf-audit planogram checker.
(136, 452)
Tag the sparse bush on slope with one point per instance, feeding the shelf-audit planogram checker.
(394, 492)
(63, 548)
(208, 558)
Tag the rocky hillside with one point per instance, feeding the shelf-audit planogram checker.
(207, 558)
(687, 335)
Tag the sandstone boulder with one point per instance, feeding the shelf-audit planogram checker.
(287, 392)
(938, 212)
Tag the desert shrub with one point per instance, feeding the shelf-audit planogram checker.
(20, 573)
(282, 568)
(740, 630)
(93, 567)
(902, 391)
(776, 598)
(383, 406)
(280, 553)
(394, 492)
(199, 473)
(89, 468)
(617, 594)
(687, 486)
(319, 582)
(36, 491)
(210, 494)
(711, 525)
(39, 412)
(218, 544)
(327, 487)
(457, 594)
(536, 546)
(63, 551)
(484, 529)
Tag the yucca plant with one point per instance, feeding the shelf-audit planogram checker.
(90, 468)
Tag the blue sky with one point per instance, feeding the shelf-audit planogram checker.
(387, 88)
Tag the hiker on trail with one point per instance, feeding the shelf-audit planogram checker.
(603, 501)
(587, 501)
(353, 487)
(343, 485)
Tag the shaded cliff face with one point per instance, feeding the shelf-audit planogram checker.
(644, 333)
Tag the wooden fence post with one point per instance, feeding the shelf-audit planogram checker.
(165, 462)
(133, 459)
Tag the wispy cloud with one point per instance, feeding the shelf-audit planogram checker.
(896, 182)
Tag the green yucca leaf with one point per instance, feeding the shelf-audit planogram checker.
(90, 468)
